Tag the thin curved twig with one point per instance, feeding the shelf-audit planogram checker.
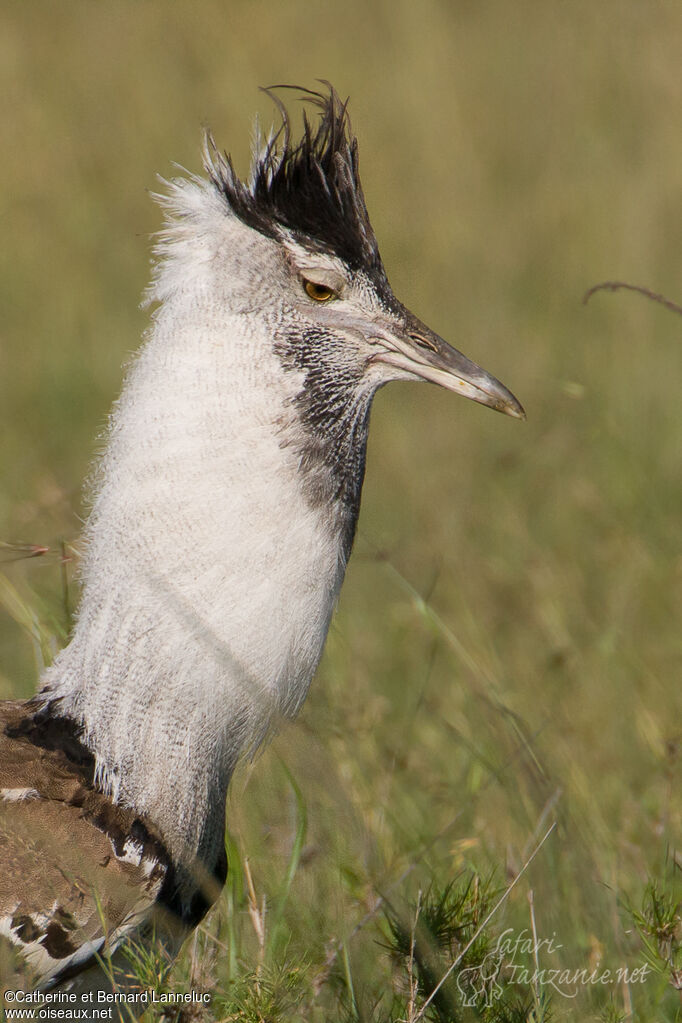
(617, 285)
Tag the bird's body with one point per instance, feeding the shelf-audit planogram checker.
(223, 517)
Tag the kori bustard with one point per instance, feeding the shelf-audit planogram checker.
(238, 443)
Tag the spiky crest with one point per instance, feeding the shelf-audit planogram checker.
(310, 187)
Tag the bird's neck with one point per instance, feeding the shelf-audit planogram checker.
(210, 574)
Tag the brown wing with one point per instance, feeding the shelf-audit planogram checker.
(77, 872)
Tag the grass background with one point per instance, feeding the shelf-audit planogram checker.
(507, 648)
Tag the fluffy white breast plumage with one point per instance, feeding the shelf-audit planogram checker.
(223, 516)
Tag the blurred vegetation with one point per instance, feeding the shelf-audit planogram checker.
(507, 649)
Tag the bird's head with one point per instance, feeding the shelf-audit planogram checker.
(323, 283)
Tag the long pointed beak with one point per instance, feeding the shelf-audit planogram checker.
(419, 352)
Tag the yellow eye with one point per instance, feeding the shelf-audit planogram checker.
(318, 292)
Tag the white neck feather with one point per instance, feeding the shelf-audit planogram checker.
(209, 580)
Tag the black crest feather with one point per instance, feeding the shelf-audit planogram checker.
(310, 187)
